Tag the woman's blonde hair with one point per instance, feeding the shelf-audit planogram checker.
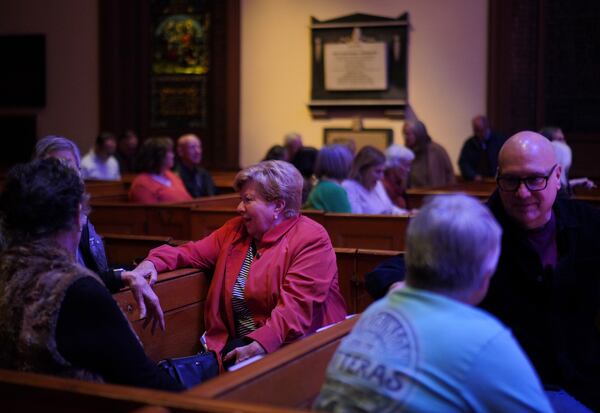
(276, 180)
(367, 157)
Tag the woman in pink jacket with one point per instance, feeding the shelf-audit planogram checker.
(275, 274)
(156, 183)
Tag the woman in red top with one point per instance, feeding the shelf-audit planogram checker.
(156, 183)
(275, 275)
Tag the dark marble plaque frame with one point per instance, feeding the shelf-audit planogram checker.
(391, 102)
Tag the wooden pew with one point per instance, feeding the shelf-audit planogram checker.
(223, 201)
(352, 265)
(385, 232)
(345, 230)
(182, 295)
(416, 196)
(591, 196)
(124, 249)
(137, 219)
(118, 218)
(279, 379)
(107, 191)
(366, 261)
(157, 219)
(197, 221)
(30, 392)
(223, 180)
(483, 190)
(290, 377)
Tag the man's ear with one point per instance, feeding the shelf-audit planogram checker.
(480, 290)
(558, 172)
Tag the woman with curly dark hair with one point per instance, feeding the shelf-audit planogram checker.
(56, 316)
(156, 183)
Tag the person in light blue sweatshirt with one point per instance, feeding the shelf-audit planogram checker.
(424, 347)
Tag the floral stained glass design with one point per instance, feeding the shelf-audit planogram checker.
(181, 45)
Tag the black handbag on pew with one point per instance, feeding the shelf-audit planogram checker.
(191, 370)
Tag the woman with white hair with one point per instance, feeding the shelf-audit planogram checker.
(564, 157)
(90, 252)
(398, 160)
(275, 276)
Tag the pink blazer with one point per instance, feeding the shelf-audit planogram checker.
(292, 287)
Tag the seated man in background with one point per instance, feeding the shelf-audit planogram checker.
(99, 163)
(431, 166)
(196, 179)
(479, 155)
(127, 147)
(292, 142)
(424, 347)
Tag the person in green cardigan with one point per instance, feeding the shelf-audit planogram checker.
(332, 167)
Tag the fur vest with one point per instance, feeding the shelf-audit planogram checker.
(34, 278)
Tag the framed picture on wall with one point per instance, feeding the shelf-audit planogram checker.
(379, 138)
(359, 66)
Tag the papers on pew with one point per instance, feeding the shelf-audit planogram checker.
(245, 362)
(332, 324)
(259, 356)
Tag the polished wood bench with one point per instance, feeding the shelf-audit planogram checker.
(122, 249)
(182, 295)
(30, 392)
(352, 263)
(196, 221)
(107, 191)
(155, 219)
(279, 379)
(275, 383)
(345, 230)
(416, 196)
(483, 190)
(289, 377)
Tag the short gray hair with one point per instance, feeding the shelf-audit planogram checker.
(452, 242)
(52, 143)
(277, 180)
(334, 161)
(291, 137)
(398, 155)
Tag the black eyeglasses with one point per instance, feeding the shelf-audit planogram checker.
(534, 183)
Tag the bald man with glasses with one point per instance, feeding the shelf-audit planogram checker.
(546, 287)
(547, 284)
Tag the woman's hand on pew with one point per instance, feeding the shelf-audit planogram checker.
(147, 270)
(139, 281)
(245, 352)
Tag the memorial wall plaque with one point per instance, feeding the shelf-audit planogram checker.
(359, 66)
(355, 66)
